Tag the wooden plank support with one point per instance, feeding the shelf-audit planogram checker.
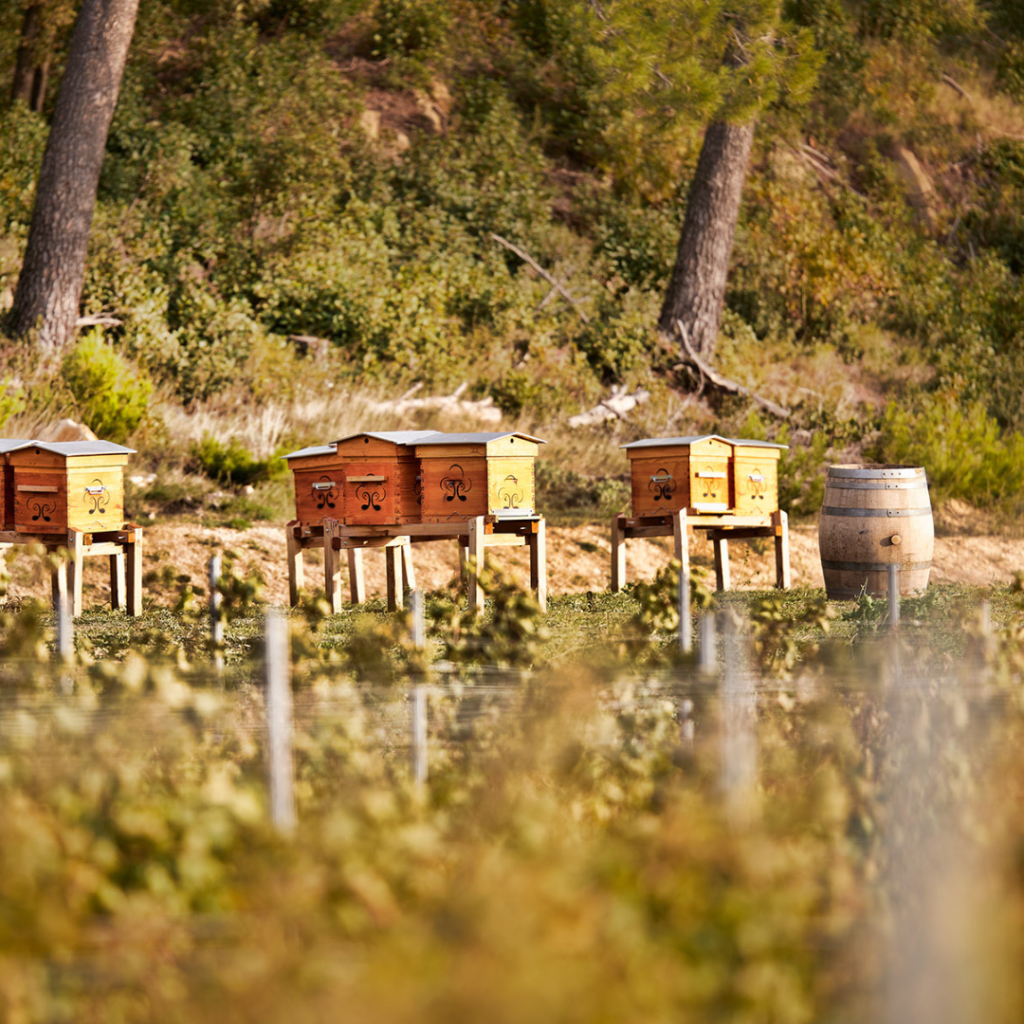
(783, 576)
(133, 573)
(408, 572)
(475, 554)
(117, 581)
(356, 579)
(332, 564)
(721, 548)
(618, 554)
(539, 565)
(76, 553)
(393, 566)
(296, 568)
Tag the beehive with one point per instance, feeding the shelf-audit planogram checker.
(362, 479)
(68, 485)
(7, 445)
(670, 473)
(318, 486)
(468, 475)
(755, 476)
(381, 482)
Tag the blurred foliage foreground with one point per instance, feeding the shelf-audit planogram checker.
(820, 850)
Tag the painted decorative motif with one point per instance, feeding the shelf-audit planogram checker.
(710, 482)
(662, 486)
(99, 496)
(371, 495)
(757, 486)
(42, 509)
(456, 486)
(326, 493)
(509, 493)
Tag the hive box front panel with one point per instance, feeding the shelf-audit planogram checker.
(382, 478)
(755, 479)
(319, 485)
(477, 475)
(672, 476)
(56, 490)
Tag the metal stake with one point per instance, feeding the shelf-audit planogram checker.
(894, 595)
(707, 652)
(685, 623)
(419, 628)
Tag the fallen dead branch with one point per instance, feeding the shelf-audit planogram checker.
(615, 406)
(557, 285)
(98, 321)
(482, 409)
(716, 380)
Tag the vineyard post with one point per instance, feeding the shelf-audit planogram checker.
(685, 622)
(216, 618)
(894, 595)
(707, 652)
(279, 722)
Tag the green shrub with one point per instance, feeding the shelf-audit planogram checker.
(232, 462)
(12, 400)
(963, 450)
(112, 397)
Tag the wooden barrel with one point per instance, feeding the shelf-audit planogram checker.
(871, 517)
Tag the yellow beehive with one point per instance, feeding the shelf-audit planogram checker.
(706, 474)
(68, 485)
(469, 475)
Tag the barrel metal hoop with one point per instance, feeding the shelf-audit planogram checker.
(889, 485)
(868, 473)
(875, 566)
(874, 513)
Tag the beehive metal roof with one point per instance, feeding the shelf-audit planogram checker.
(439, 438)
(394, 436)
(11, 444)
(317, 449)
(661, 442)
(72, 448)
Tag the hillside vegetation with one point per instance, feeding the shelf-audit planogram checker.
(337, 169)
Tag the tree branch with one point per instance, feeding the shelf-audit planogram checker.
(723, 383)
(527, 258)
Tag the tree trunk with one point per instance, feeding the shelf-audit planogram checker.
(696, 290)
(50, 283)
(25, 67)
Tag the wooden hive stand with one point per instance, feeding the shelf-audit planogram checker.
(69, 497)
(366, 479)
(725, 486)
(380, 493)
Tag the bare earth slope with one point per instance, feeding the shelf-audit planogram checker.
(578, 560)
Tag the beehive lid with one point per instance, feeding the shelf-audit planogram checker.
(391, 436)
(669, 442)
(485, 438)
(743, 442)
(12, 444)
(318, 449)
(71, 449)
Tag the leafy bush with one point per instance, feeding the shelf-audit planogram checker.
(963, 450)
(12, 400)
(112, 397)
(232, 462)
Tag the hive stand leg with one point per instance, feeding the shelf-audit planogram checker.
(332, 564)
(59, 580)
(133, 572)
(682, 542)
(475, 554)
(117, 581)
(618, 555)
(76, 552)
(539, 565)
(296, 568)
(393, 565)
(356, 580)
(462, 561)
(721, 546)
(407, 568)
(783, 578)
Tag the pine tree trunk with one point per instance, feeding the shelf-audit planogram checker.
(50, 283)
(25, 63)
(696, 290)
